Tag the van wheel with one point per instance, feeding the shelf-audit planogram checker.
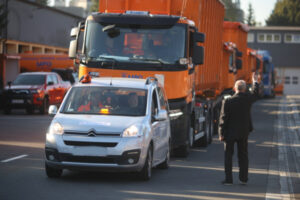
(146, 172)
(44, 108)
(52, 172)
(166, 163)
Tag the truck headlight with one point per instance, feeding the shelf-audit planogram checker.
(56, 128)
(131, 131)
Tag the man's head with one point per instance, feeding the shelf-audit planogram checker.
(240, 86)
(133, 100)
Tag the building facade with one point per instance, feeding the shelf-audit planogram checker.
(283, 43)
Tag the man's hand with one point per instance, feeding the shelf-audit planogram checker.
(255, 77)
(221, 138)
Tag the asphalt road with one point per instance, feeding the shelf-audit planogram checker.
(274, 154)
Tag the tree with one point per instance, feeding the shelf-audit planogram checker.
(3, 19)
(285, 13)
(43, 2)
(250, 17)
(233, 12)
(95, 6)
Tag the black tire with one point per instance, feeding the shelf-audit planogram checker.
(166, 163)
(184, 150)
(29, 110)
(204, 141)
(7, 110)
(52, 172)
(44, 108)
(146, 172)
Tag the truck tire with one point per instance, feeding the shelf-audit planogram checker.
(146, 172)
(52, 172)
(184, 150)
(204, 141)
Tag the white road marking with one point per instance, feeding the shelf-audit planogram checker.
(285, 133)
(14, 158)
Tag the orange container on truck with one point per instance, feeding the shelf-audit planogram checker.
(236, 32)
(162, 39)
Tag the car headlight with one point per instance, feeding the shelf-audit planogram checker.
(132, 131)
(56, 128)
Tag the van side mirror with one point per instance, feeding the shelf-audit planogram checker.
(161, 115)
(50, 83)
(239, 63)
(198, 55)
(52, 110)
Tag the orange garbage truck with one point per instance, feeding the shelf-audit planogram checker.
(164, 39)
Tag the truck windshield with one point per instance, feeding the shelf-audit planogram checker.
(106, 101)
(29, 79)
(163, 45)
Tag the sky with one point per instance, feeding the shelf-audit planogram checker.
(262, 8)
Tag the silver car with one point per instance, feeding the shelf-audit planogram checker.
(110, 124)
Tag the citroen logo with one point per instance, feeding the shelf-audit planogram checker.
(91, 134)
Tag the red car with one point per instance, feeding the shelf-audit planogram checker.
(33, 90)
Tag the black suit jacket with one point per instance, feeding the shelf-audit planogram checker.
(235, 119)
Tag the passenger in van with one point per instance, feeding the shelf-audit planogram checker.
(93, 105)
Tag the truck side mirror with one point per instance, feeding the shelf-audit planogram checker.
(74, 32)
(198, 55)
(198, 37)
(73, 49)
(238, 53)
(239, 64)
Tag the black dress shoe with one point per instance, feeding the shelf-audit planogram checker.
(243, 182)
(225, 182)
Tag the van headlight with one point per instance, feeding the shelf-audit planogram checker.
(56, 128)
(132, 131)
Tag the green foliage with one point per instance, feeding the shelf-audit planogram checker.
(95, 6)
(43, 2)
(233, 12)
(285, 13)
(3, 19)
(250, 17)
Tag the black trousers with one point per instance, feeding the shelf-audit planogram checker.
(242, 147)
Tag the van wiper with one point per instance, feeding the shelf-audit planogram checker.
(159, 60)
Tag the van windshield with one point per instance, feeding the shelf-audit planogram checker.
(142, 43)
(106, 101)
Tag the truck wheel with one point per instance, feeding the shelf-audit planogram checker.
(165, 164)
(44, 108)
(184, 150)
(52, 172)
(205, 139)
(146, 172)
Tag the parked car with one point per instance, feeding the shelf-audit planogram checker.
(110, 124)
(33, 90)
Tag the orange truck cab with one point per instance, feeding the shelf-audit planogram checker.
(236, 32)
(162, 39)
